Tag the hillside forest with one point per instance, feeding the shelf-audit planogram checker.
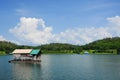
(103, 46)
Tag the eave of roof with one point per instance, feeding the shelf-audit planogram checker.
(18, 51)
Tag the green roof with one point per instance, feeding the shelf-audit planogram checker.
(35, 51)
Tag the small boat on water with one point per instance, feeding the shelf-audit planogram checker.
(26, 55)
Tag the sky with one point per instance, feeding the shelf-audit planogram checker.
(37, 22)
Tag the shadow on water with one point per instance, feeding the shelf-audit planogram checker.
(26, 71)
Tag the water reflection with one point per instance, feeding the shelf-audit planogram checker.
(26, 71)
(63, 67)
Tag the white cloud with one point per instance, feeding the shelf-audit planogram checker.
(32, 30)
(114, 25)
(82, 35)
(114, 20)
(21, 12)
(35, 31)
(2, 38)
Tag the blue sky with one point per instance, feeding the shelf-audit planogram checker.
(66, 21)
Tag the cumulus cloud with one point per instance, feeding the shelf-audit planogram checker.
(114, 20)
(82, 35)
(114, 25)
(35, 31)
(32, 30)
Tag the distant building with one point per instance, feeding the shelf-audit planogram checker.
(27, 54)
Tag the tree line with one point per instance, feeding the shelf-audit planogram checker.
(106, 44)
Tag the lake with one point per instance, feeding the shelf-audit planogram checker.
(63, 67)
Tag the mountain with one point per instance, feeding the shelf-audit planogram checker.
(6, 47)
(104, 44)
(60, 48)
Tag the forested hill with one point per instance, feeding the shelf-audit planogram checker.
(104, 44)
(60, 48)
(6, 47)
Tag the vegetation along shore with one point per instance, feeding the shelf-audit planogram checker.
(103, 46)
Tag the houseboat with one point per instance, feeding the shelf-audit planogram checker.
(26, 55)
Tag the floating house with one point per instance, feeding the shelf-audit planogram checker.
(27, 55)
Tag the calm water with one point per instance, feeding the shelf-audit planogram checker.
(63, 67)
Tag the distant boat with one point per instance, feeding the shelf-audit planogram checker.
(10, 53)
(86, 52)
(26, 55)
